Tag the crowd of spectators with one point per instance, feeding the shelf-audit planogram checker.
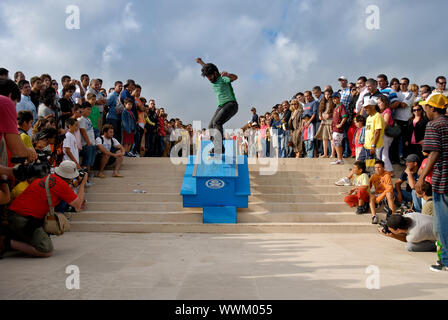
(68, 133)
(83, 128)
(378, 123)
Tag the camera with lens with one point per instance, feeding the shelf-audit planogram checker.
(383, 227)
(39, 168)
(82, 173)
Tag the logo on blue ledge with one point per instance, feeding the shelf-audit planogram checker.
(215, 184)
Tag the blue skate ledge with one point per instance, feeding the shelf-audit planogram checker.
(219, 186)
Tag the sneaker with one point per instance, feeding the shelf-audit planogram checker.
(88, 184)
(387, 210)
(343, 182)
(366, 207)
(438, 267)
(375, 220)
(337, 162)
(360, 210)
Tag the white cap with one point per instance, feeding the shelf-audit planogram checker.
(67, 169)
(370, 102)
(342, 78)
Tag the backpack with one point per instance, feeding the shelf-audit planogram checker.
(112, 148)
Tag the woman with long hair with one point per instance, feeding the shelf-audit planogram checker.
(386, 112)
(324, 133)
(416, 131)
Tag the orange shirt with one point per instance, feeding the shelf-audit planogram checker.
(383, 185)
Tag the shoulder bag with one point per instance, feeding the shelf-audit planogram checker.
(54, 223)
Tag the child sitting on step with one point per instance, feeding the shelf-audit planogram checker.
(359, 195)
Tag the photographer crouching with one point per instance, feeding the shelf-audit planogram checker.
(416, 229)
(28, 211)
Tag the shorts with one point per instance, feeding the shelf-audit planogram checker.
(337, 139)
(128, 138)
(110, 162)
(22, 230)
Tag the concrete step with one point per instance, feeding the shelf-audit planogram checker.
(176, 197)
(256, 188)
(243, 217)
(186, 227)
(253, 206)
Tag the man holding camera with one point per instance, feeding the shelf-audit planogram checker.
(28, 210)
(414, 228)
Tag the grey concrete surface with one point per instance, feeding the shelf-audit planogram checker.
(213, 266)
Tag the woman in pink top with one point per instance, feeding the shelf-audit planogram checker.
(262, 138)
(384, 105)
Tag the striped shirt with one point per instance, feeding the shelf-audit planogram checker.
(436, 139)
(346, 97)
(390, 93)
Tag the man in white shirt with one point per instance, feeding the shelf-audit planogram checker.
(416, 229)
(111, 152)
(441, 86)
(70, 145)
(361, 85)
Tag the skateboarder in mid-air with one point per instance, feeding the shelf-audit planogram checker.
(227, 105)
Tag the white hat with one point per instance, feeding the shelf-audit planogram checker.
(370, 102)
(342, 78)
(67, 169)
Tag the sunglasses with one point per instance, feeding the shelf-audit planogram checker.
(442, 82)
(415, 110)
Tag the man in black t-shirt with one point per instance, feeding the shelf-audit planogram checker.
(410, 176)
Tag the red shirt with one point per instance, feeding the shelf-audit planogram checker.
(161, 128)
(429, 176)
(339, 113)
(33, 201)
(8, 116)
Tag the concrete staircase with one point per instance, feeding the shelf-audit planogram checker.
(300, 197)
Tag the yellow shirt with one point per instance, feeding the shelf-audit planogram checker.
(361, 180)
(374, 123)
(26, 140)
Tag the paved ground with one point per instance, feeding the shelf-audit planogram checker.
(200, 266)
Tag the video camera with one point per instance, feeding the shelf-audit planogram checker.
(40, 168)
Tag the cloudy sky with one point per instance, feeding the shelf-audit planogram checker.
(277, 48)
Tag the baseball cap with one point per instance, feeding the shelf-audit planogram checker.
(435, 100)
(335, 95)
(412, 158)
(67, 169)
(370, 102)
(342, 78)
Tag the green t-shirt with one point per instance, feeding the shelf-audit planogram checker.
(224, 91)
(95, 116)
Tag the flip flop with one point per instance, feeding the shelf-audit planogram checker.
(102, 176)
(117, 176)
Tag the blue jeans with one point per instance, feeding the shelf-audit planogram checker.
(441, 222)
(347, 152)
(309, 148)
(89, 154)
(282, 145)
(418, 205)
